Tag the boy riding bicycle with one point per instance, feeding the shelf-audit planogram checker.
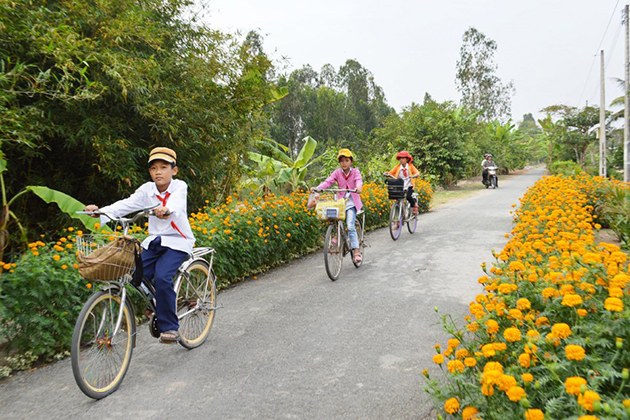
(406, 171)
(347, 177)
(170, 240)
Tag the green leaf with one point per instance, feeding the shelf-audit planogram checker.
(67, 204)
(306, 152)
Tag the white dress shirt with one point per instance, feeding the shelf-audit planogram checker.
(402, 175)
(175, 230)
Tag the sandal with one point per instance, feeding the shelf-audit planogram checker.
(169, 337)
(358, 258)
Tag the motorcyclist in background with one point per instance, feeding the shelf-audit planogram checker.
(488, 162)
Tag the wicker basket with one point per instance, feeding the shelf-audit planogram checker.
(106, 257)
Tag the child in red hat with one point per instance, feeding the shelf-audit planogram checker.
(407, 172)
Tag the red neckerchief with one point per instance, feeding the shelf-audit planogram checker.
(163, 200)
(404, 171)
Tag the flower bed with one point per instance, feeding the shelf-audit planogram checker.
(42, 293)
(549, 338)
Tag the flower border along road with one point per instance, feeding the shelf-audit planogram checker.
(550, 337)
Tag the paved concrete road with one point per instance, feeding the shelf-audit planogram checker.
(293, 344)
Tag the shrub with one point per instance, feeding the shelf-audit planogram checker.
(549, 336)
(565, 167)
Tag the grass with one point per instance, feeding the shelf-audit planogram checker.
(463, 190)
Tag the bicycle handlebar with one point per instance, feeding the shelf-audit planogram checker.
(142, 213)
(334, 190)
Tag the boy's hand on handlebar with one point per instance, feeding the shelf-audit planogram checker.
(92, 208)
(161, 212)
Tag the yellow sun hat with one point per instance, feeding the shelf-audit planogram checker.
(163, 153)
(345, 153)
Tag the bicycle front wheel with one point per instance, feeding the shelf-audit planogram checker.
(412, 221)
(396, 219)
(360, 234)
(333, 250)
(196, 304)
(100, 359)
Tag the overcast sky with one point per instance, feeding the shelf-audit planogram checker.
(546, 47)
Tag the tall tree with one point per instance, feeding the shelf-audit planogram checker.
(477, 81)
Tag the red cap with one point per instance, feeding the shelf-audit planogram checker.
(404, 154)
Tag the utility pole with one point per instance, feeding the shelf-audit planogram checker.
(602, 121)
(626, 125)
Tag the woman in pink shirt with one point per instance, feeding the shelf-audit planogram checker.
(347, 177)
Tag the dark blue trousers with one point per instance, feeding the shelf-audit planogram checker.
(160, 264)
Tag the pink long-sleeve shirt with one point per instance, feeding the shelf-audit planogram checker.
(351, 181)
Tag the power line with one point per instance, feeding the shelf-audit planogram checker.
(596, 52)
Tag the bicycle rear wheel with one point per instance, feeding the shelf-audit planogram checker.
(196, 304)
(99, 359)
(396, 219)
(333, 250)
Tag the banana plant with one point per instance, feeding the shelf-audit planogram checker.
(279, 168)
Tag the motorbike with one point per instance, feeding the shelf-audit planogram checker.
(492, 180)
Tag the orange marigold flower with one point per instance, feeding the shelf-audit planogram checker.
(451, 406)
(493, 326)
(534, 414)
(512, 334)
(453, 343)
(573, 384)
(561, 330)
(572, 300)
(515, 393)
(525, 360)
(438, 359)
(574, 352)
(455, 366)
(470, 362)
(470, 413)
(506, 382)
(523, 304)
(527, 377)
(613, 304)
(587, 399)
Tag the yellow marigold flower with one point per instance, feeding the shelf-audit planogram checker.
(561, 330)
(70, 229)
(615, 292)
(527, 377)
(613, 304)
(573, 384)
(588, 417)
(55, 257)
(533, 334)
(515, 393)
(512, 334)
(516, 313)
(620, 280)
(451, 406)
(470, 362)
(582, 312)
(574, 352)
(470, 413)
(487, 390)
(493, 366)
(438, 359)
(591, 258)
(488, 350)
(7, 266)
(549, 292)
(534, 414)
(543, 320)
(64, 266)
(461, 353)
(35, 253)
(587, 399)
(455, 366)
(75, 266)
(506, 382)
(525, 360)
(572, 300)
(618, 257)
(493, 326)
(453, 343)
(473, 326)
(523, 304)
(517, 266)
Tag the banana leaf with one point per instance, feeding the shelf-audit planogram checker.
(66, 203)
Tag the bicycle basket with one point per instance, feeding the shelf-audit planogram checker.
(106, 257)
(331, 210)
(396, 188)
